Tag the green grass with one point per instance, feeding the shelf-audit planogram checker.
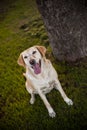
(21, 27)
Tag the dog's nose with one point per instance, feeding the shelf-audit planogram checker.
(32, 62)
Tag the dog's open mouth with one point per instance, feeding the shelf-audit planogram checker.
(37, 67)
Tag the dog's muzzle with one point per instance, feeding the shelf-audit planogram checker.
(32, 62)
(35, 66)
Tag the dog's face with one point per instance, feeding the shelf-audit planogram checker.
(32, 58)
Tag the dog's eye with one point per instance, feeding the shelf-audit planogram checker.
(25, 57)
(34, 52)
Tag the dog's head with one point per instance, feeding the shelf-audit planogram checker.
(32, 58)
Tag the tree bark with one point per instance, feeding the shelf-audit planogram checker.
(66, 24)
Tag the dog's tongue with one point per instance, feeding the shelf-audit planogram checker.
(37, 68)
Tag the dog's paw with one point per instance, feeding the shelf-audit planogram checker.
(69, 101)
(52, 114)
(32, 101)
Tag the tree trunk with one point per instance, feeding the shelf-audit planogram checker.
(66, 24)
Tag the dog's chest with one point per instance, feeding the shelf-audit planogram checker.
(46, 88)
(45, 85)
(45, 82)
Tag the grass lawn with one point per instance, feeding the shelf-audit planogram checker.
(21, 27)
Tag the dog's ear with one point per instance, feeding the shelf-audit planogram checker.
(42, 50)
(20, 61)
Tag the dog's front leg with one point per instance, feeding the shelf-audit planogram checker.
(59, 88)
(32, 100)
(28, 87)
(48, 106)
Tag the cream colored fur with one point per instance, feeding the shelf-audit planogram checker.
(43, 82)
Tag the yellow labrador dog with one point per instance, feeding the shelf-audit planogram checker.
(41, 76)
